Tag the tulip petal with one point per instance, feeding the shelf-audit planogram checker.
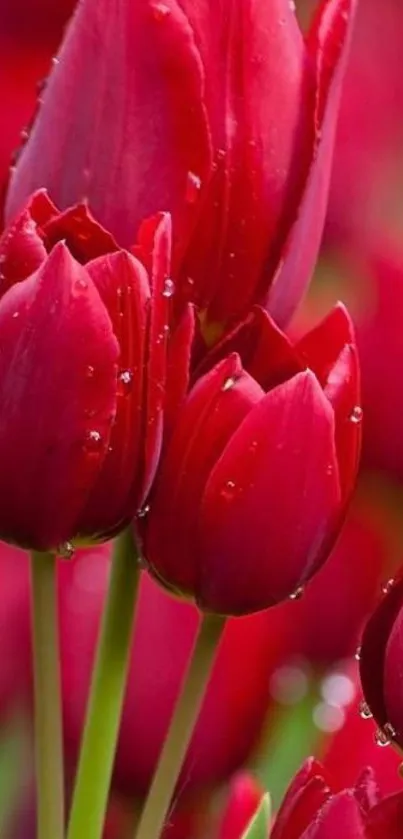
(55, 420)
(22, 249)
(266, 353)
(255, 63)
(178, 367)
(393, 678)
(158, 257)
(340, 816)
(373, 650)
(130, 78)
(327, 45)
(269, 501)
(213, 410)
(122, 283)
(85, 238)
(244, 800)
(321, 347)
(386, 819)
(306, 794)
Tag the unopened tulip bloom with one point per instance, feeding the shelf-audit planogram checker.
(237, 697)
(222, 115)
(82, 375)
(381, 664)
(260, 465)
(313, 809)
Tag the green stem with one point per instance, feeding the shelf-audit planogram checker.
(48, 718)
(181, 728)
(105, 702)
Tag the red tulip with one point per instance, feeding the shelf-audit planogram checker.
(237, 697)
(223, 116)
(313, 810)
(14, 627)
(82, 375)
(328, 620)
(257, 473)
(381, 664)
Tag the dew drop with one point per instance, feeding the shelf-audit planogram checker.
(90, 371)
(93, 441)
(228, 384)
(126, 380)
(383, 736)
(356, 415)
(55, 61)
(364, 711)
(16, 315)
(168, 289)
(297, 594)
(193, 186)
(66, 550)
(387, 587)
(357, 654)
(143, 512)
(160, 11)
(81, 284)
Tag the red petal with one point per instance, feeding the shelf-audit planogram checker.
(340, 816)
(327, 46)
(385, 821)
(373, 651)
(393, 678)
(129, 77)
(162, 289)
(266, 352)
(305, 796)
(85, 238)
(210, 415)
(269, 501)
(56, 419)
(321, 347)
(122, 283)
(258, 101)
(22, 249)
(178, 369)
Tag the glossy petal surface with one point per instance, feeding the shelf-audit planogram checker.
(269, 474)
(55, 424)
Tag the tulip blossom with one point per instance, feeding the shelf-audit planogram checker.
(244, 799)
(237, 697)
(381, 665)
(82, 371)
(222, 115)
(312, 809)
(259, 467)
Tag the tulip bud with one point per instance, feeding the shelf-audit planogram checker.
(82, 375)
(223, 117)
(255, 478)
(380, 665)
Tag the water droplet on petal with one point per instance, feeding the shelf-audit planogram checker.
(126, 380)
(169, 288)
(383, 736)
(81, 284)
(357, 654)
(160, 11)
(297, 594)
(143, 512)
(90, 371)
(55, 61)
(66, 550)
(93, 441)
(228, 384)
(16, 315)
(193, 186)
(356, 415)
(387, 587)
(364, 711)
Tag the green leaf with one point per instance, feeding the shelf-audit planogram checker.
(260, 824)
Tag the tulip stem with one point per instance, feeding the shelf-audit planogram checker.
(48, 717)
(105, 702)
(186, 711)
